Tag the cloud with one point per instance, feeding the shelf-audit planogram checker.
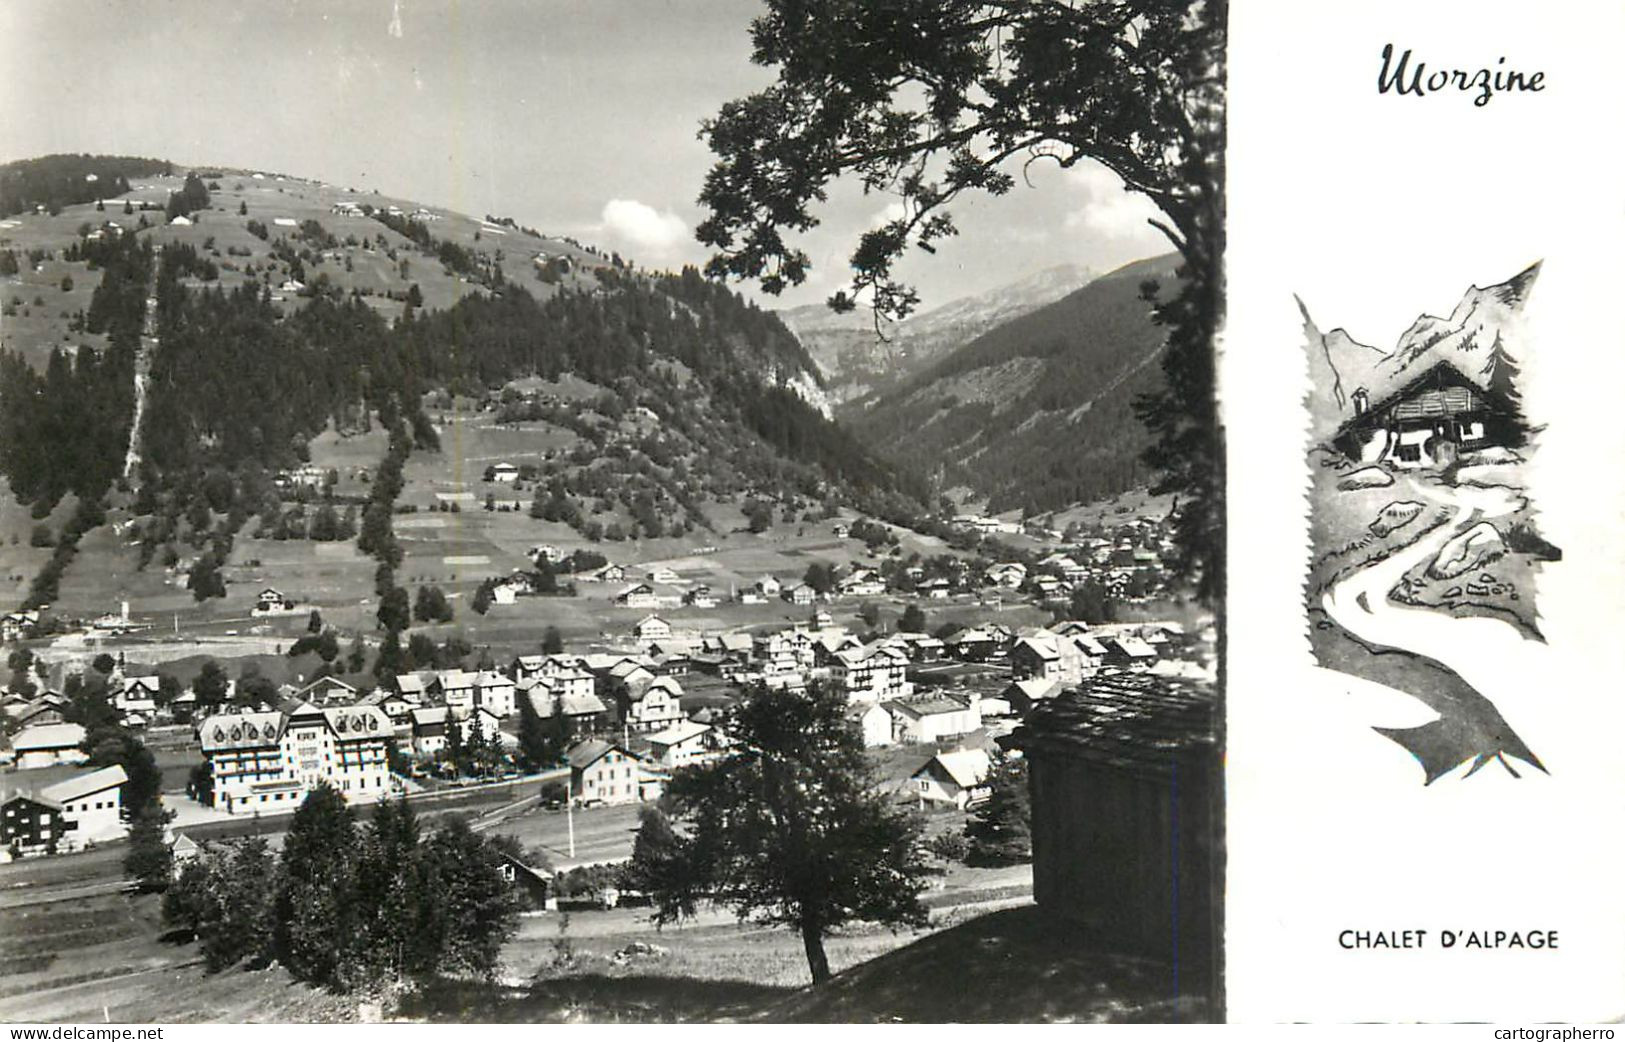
(892, 211)
(1107, 209)
(643, 229)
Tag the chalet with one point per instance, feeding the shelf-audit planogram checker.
(605, 772)
(958, 778)
(1129, 652)
(871, 674)
(638, 595)
(68, 815)
(494, 693)
(1425, 420)
(46, 745)
(1022, 695)
(861, 582)
(873, 722)
(931, 718)
(271, 602)
(973, 644)
(546, 552)
(585, 711)
(1010, 574)
(504, 473)
(651, 627)
(609, 573)
(935, 589)
(1123, 776)
(326, 691)
(429, 729)
(735, 646)
(136, 699)
(768, 586)
(682, 744)
(663, 575)
(645, 706)
(921, 647)
(799, 593)
(822, 619)
(534, 882)
(480, 723)
(700, 597)
(418, 687)
(1049, 656)
(457, 689)
(841, 529)
(48, 708)
(17, 625)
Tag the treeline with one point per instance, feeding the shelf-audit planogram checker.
(458, 258)
(193, 196)
(347, 904)
(729, 315)
(61, 180)
(66, 430)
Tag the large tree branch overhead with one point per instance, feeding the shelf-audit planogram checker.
(926, 99)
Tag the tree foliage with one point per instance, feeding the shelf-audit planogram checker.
(789, 829)
(930, 100)
(1000, 829)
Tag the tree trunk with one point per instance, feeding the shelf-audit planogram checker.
(812, 938)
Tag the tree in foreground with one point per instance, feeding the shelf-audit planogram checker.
(224, 897)
(317, 922)
(149, 861)
(1000, 831)
(927, 100)
(790, 829)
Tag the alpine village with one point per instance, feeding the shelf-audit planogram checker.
(410, 615)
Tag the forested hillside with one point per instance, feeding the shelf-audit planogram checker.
(254, 350)
(1039, 412)
(63, 180)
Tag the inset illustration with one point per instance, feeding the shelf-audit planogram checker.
(1419, 516)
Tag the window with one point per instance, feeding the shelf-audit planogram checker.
(1409, 453)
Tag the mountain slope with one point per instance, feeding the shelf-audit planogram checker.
(855, 360)
(1037, 412)
(1477, 338)
(277, 311)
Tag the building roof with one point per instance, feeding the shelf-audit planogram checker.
(584, 754)
(927, 705)
(48, 736)
(240, 730)
(358, 721)
(678, 732)
(967, 767)
(573, 704)
(1141, 721)
(86, 784)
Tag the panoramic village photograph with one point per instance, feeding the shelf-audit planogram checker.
(638, 512)
(1425, 542)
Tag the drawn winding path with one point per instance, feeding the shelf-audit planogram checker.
(1482, 652)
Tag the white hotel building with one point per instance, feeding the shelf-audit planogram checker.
(269, 761)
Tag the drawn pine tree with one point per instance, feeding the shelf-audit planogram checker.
(1503, 371)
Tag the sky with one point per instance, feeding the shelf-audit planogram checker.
(576, 117)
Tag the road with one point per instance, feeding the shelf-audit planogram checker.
(601, 833)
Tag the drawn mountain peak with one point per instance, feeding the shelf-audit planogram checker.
(1486, 320)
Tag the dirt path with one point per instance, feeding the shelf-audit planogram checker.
(143, 369)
